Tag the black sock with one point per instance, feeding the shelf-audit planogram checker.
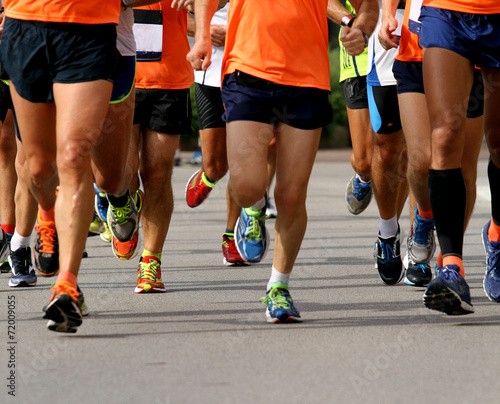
(120, 201)
(448, 195)
(494, 178)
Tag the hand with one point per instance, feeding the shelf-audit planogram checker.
(200, 54)
(188, 4)
(353, 40)
(218, 35)
(385, 36)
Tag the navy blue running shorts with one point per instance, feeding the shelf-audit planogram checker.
(410, 80)
(354, 91)
(123, 79)
(37, 54)
(473, 36)
(384, 109)
(248, 98)
(164, 111)
(210, 107)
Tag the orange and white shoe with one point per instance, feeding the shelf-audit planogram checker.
(149, 276)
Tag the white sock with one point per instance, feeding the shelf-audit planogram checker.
(277, 277)
(19, 241)
(260, 204)
(388, 228)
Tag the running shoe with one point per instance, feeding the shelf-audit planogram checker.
(46, 251)
(449, 293)
(81, 302)
(358, 195)
(280, 308)
(63, 312)
(421, 243)
(388, 259)
(123, 221)
(251, 235)
(101, 204)
(5, 251)
(96, 226)
(149, 276)
(491, 282)
(231, 255)
(22, 270)
(128, 249)
(198, 188)
(106, 234)
(418, 274)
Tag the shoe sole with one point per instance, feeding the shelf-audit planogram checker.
(351, 211)
(22, 284)
(391, 283)
(152, 290)
(186, 191)
(242, 255)
(63, 315)
(289, 319)
(419, 284)
(445, 300)
(235, 264)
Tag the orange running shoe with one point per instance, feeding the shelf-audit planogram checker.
(63, 312)
(46, 251)
(149, 276)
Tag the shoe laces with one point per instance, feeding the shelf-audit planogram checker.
(277, 297)
(254, 230)
(423, 231)
(121, 214)
(65, 288)
(47, 238)
(201, 188)
(360, 190)
(149, 270)
(21, 261)
(387, 250)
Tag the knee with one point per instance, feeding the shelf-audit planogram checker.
(41, 172)
(290, 201)
(74, 155)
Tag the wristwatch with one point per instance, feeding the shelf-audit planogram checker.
(128, 3)
(347, 20)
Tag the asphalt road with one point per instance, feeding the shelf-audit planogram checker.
(206, 340)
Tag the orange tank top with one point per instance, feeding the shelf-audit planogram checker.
(409, 50)
(173, 72)
(467, 6)
(72, 11)
(283, 41)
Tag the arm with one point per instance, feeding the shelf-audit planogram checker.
(389, 24)
(354, 39)
(200, 54)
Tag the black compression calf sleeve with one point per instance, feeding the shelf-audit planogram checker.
(448, 197)
(494, 178)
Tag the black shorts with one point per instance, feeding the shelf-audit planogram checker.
(410, 80)
(248, 98)
(123, 79)
(47, 53)
(355, 94)
(384, 109)
(210, 107)
(164, 111)
(5, 100)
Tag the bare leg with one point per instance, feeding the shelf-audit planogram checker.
(362, 141)
(8, 178)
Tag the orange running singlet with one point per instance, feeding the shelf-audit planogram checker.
(467, 6)
(72, 11)
(283, 41)
(409, 50)
(173, 72)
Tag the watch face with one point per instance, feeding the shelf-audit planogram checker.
(346, 21)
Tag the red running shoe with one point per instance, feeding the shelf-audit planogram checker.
(198, 188)
(231, 255)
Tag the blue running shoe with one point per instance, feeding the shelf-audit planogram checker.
(280, 308)
(101, 204)
(387, 254)
(421, 242)
(449, 293)
(358, 195)
(23, 273)
(491, 283)
(251, 235)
